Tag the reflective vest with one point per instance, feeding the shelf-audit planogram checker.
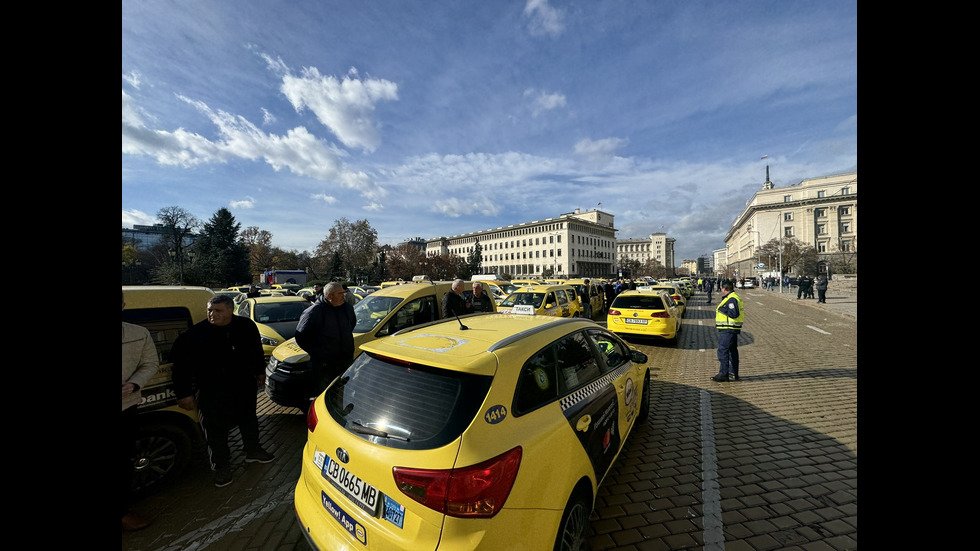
(722, 321)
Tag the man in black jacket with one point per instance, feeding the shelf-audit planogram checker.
(326, 332)
(453, 303)
(220, 365)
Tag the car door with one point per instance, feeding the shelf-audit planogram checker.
(621, 374)
(589, 400)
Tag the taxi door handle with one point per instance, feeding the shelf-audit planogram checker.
(583, 423)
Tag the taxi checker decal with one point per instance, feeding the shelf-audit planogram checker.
(567, 402)
(454, 342)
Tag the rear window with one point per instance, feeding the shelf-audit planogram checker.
(413, 407)
(279, 312)
(639, 302)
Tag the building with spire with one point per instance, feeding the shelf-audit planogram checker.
(820, 212)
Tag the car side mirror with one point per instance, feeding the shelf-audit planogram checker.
(639, 357)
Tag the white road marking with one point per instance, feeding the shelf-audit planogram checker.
(214, 531)
(818, 330)
(714, 533)
(778, 312)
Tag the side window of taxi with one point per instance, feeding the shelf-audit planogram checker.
(562, 297)
(538, 384)
(245, 309)
(577, 365)
(613, 351)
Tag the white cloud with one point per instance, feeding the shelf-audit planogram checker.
(130, 217)
(246, 203)
(345, 106)
(299, 151)
(599, 151)
(328, 199)
(544, 101)
(543, 19)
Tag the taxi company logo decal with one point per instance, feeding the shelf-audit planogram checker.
(455, 343)
(495, 414)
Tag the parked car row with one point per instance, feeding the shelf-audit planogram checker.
(446, 428)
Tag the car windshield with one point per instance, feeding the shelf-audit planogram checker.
(371, 310)
(408, 407)
(275, 312)
(521, 299)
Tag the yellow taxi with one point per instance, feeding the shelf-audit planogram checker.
(499, 289)
(168, 434)
(493, 435)
(646, 313)
(590, 295)
(526, 282)
(543, 300)
(379, 314)
(674, 293)
(275, 316)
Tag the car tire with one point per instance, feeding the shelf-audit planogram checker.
(571, 530)
(644, 412)
(162, 452)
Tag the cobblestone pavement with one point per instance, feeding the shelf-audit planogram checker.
(768, 462)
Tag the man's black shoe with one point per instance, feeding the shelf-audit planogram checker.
(222, 477)
(734, 377)
(259, 456)
(720, 378)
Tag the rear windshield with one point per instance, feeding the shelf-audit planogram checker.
(399, 406)
(639, 302)
(533, 299)
(371, 310)
(279, 312)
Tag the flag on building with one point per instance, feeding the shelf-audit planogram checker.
(765, 156)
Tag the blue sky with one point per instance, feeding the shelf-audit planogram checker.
(431, 118)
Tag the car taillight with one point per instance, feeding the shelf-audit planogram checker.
(612, 312)
(676, 297)
(475, 491)
(660, 315)
(311, 418)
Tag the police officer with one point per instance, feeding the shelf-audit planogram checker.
(729, 317)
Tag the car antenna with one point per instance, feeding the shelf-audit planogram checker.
(461, 326)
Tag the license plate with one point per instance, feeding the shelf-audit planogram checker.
(361, 493)
(636, 321)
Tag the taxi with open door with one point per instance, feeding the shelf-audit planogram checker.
(484, 433)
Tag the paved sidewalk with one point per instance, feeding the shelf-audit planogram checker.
(843, 302)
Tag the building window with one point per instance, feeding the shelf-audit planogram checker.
(788, 231)
(787, 198)
(821, 193)
(845, 211)
(845, 245)
(845, 191)
(788, 216)
(821, 246)
(845, 227)
(821, 229)
(820, 213)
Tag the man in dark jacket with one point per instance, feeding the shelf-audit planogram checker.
(222, 360)
(453, 303)
(326, 331)
(821, 285)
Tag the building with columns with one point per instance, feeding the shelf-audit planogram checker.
(821, 212)
(575, 244)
